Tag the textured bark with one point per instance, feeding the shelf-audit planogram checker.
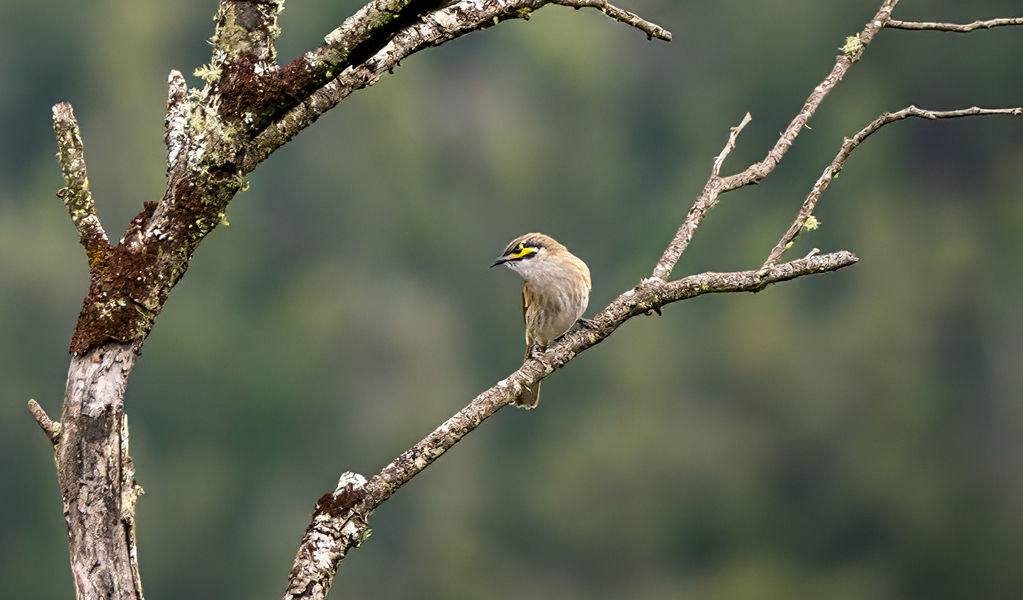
(96, 475)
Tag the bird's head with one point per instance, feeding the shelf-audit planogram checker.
(529, 250)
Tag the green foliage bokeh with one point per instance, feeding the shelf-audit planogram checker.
(851, 436)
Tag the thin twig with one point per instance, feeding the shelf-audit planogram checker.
(50, 427)
(717, 185)
(76, 195)
(341, 518)
(850, 144)
(652, 30)
(922, 26)
(735, 131)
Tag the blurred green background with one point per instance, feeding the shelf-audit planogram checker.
(853, 435)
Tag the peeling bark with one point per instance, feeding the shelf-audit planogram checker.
(96, 476)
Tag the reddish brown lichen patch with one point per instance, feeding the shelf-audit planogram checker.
(248, 97)
(336, 503)
(129, 282)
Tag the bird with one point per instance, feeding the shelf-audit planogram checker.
(555, 293)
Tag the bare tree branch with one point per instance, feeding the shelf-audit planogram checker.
(652, 30)
(921, 26)
(832, 170)
(650, 296)
(732, 136)
(341, 518)
(432, 29)
(717, 185)
(76, 195)
(50, 427)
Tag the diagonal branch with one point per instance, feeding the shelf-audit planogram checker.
(651, 295)
(717, 185)
(76, 195)
(924, 26)
(340, 520)
(364, 33)
(832, 171)
(336, 76)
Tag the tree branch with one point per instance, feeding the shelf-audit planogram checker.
(431, 29)
(717, 185)
(76, 195)
(50, 427)
(732, 136)
(921, 26)
(341, 518)
(832, 170)
(652, 30)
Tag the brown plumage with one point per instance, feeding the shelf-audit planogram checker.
(555, 293)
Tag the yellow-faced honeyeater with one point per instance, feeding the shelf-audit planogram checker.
(555, 293)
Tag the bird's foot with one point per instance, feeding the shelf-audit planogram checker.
(583, 323)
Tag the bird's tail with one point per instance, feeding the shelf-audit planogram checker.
(530, 395)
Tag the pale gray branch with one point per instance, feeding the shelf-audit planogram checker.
(652, 30)
(50, 427)
(341, 518)
(76, 195)
(718, 185)
(850, 144)
(432, 29)
(925, 26)
(732, 136)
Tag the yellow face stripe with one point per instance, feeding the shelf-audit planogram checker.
(520, 251)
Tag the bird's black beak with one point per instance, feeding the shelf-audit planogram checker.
(500, 261)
